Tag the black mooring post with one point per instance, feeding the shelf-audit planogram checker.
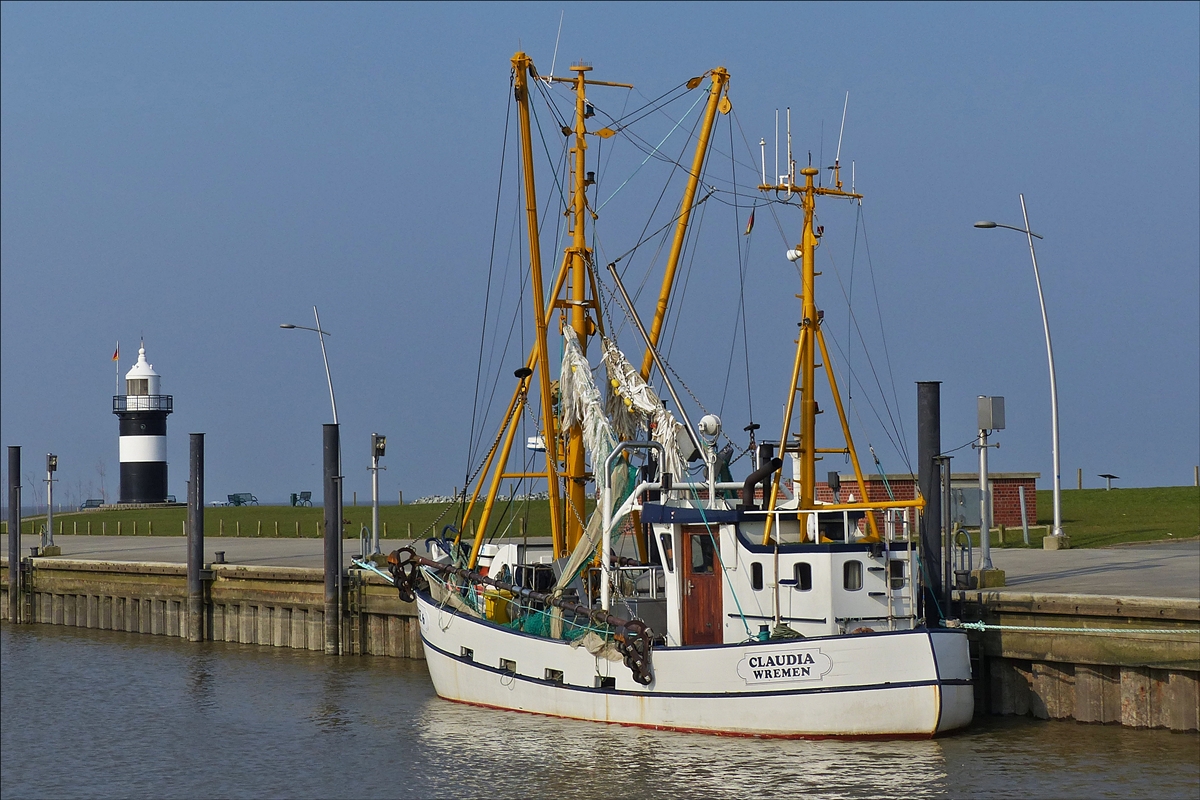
(14, 532)
(333, 539)
(929, 446)
(195, 539)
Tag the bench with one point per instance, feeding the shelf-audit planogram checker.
(243, 499)
(90, 503)
(302, 499)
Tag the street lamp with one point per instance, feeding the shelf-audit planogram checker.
(1030, 235)
(337, 498)
(320, 335)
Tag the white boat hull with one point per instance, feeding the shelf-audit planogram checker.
(903, 683)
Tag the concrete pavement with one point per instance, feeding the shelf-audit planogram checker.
(1167, 569)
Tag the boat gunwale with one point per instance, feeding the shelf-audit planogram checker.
(923, 631)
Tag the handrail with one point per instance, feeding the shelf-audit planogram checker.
(606, 511)
(142, 402)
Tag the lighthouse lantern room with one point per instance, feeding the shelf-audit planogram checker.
(142, 412)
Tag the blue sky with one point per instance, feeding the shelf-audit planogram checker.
(200, 173)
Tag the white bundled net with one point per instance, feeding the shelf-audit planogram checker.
(632, 403)
(581, 405)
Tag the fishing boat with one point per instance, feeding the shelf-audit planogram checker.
(684, 599)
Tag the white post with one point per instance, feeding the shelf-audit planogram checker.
(375, 504)
(1024, 515)
(985, 517)
(48, 536)
(606, 541)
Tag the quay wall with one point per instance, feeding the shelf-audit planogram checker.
(272, 606)
(1137, 679)
(1038, 659)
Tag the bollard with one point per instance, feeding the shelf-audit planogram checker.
(237, 528)
(276, 529)
(929, 445)
(222, 533)
(135, 527)
(297, 529)
(118, 527)
(195, 539)
(259, 532)
(149, 527)
(332, 538)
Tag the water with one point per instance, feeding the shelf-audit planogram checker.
(105, 714)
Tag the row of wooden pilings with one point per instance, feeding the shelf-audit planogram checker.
(333, 572)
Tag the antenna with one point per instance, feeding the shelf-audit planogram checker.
(852, 177)
(777, 175)
(843, 130)
(791, 164)
(762, 145)
(837, 176)
(553, 60)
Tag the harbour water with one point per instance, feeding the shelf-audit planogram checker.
(88, 713)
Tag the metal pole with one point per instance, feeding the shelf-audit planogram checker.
(1024, 515)
(947, 564)
(333, 538)
(195, 538)
(48, 536)
(1053, 380)
(985, 507)
(374, 504)
(14, 532)
(929, 445)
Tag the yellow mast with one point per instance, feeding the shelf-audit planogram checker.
(565, 522)
(804, 369)
(539, 359)
(718, 87)
(579, 258)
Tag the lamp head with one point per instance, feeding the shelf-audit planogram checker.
(985, 223)
(286, 325)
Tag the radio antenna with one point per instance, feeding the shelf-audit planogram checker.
(554, 59)
(837, 178)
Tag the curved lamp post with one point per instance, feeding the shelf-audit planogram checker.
(320, 335)
(1030, 235)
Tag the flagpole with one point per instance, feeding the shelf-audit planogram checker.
(117, 369)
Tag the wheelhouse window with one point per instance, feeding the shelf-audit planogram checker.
(852, 576)
(668, 557)
(896, 574)
(703, 557)
(802, 572)
(756, 576)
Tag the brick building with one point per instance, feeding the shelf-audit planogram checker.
(964, 488)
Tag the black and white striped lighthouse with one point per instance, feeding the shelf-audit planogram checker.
(143, 412)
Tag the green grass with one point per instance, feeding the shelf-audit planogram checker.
(1091, 517)
(1096, 517)
(262, 520)
(1099, 518)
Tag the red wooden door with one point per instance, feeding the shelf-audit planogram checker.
(701, 587)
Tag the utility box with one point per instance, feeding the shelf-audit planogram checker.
(991, 413)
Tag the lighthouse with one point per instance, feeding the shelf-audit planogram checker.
(142, 412)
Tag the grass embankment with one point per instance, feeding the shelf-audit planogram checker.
(289, 522)
(1091, 517)
(1098, 518)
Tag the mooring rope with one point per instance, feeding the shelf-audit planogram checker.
(985, 626)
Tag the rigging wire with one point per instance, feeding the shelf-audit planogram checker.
(882, 334)
(487, 292)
